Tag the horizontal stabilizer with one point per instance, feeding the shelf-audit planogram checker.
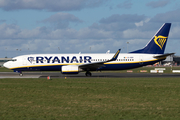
(164, 55)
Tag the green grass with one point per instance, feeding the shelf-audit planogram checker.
(90, 98)
(3, 69)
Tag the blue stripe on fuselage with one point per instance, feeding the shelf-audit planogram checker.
(114, 66)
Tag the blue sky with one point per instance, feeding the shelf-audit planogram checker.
(66, 26)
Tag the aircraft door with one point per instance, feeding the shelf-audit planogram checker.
(141, 60)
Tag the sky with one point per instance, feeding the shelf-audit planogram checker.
(86, 26)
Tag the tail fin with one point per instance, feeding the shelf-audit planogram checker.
(158, 43)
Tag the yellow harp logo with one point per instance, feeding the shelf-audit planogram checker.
(160, 40)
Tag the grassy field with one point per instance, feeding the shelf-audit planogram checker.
(3, 69)
(90, 98)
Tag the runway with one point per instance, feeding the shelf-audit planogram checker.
(82, 75)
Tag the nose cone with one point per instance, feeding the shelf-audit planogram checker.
(7, 65)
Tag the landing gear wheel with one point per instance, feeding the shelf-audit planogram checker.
(21, 74)
(88, 74)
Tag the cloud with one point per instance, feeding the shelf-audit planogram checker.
(137, 34)
(159, 3)
(2, 21)
(170, 16)
(118, 22)
(62, 17)
(174, 32)
(141, 23)
(62, 20)
(112, 27)
(122, 18)
(109, 33)
(126, 4)
(49, 5)
(9, 31)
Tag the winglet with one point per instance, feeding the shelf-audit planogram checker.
(97, 65)
(115, 56)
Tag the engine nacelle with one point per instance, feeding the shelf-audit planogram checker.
(70, 69)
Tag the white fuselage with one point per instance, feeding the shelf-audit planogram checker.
(54, 62)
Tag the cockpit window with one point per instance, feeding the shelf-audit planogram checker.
(14, 59)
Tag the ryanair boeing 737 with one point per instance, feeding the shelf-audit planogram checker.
(74, 63)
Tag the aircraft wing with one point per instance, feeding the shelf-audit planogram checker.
(96, 65)
(164, 55)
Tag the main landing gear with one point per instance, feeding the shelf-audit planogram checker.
(20, 74)
(88, 74)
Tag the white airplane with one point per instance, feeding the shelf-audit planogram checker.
(74, 63)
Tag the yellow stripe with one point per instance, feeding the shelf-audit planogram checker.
(83, 63)
(71, 71)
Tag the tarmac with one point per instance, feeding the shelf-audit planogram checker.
(82, 75)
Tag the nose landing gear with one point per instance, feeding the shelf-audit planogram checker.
(20, 73)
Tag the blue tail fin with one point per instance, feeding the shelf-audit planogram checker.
(158, 43)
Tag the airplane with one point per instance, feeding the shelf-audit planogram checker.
(152, 53)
